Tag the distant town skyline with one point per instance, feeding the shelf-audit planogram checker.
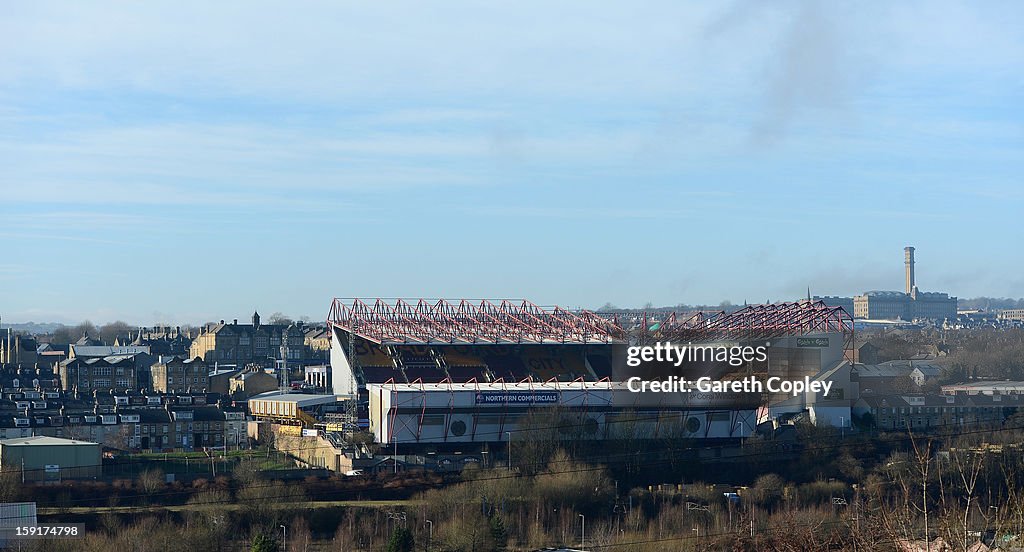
(186, 163)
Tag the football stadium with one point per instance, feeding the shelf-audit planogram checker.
(450, 374)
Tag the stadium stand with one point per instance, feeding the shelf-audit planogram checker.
(381, 374)
(600, 365)
(371, 355)
(507, 367)
(461, 358)
(462, 374)
(416, 356)
(426, 374)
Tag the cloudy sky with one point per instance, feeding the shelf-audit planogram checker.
(184, 162)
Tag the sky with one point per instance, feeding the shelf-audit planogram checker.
(180, 162)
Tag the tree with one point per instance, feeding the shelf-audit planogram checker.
(151, 480)
(263, 543)
(10, 484)
(82, 330)
(108, 333)
(401, 541)
(768, 490)
(61, 336)
(498, 532)
(280, 319)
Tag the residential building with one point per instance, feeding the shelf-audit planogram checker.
(220, 380)
(251, 382)
(174, 374)
(89, 374)
(922, 412)
(925, 373)
(164, 340)
(16, 349)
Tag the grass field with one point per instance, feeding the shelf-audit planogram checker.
(232, 506)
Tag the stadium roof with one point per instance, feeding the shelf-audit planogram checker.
(465, 322)
(760, 322)
(502, 386)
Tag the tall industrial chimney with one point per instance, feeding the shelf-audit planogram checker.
(909, 255)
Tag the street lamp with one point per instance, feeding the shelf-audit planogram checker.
(430, 533)
(583, 533)
(509, 435)
(285, 531)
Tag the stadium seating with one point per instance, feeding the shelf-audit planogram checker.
(555, 363)
(381, 374)
(426, 374)
(507, 367)
(371, 355)
(462, 374)
(417, 357)
(460, 358)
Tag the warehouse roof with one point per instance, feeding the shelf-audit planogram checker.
(42, 441)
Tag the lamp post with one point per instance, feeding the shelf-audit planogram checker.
(583, 532)
(430, 534)
(509, 435)
(285, 538)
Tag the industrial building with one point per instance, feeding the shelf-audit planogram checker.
(50, 458)
(910, 304)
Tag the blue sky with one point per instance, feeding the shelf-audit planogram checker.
(189, 162)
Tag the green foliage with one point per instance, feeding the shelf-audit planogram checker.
(498, 532)
(263, 543)
(401, 541)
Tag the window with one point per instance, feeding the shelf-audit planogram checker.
(432, 420)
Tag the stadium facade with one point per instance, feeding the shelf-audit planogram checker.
(436, 373)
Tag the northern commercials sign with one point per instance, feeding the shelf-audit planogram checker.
(517, 397)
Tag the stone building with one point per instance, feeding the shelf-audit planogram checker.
(174, 374)
(244, 344)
